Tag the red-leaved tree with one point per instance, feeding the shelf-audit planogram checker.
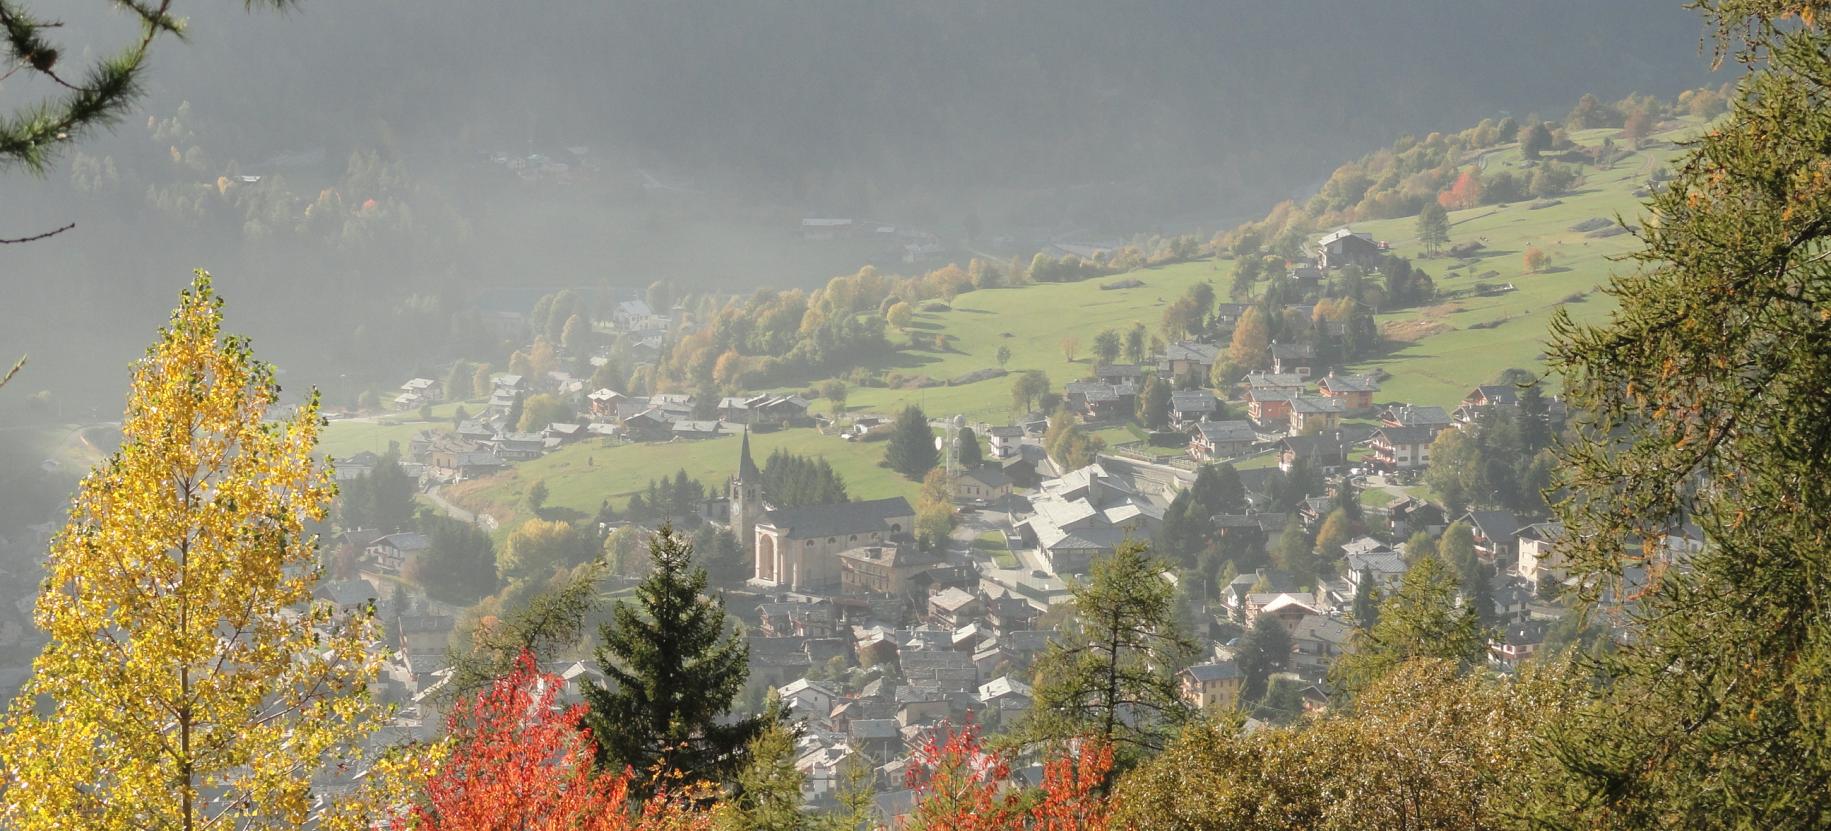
(961, 785)
(1465, 193)
(520, 762)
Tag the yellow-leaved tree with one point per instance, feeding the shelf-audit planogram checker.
(190, 680)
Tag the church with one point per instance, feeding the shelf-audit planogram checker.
(798, 548)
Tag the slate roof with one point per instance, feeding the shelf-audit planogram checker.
(1223, 671)
(1400, 436)
(1221, 432)
(843, 518)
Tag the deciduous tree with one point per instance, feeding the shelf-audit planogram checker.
(190, 680)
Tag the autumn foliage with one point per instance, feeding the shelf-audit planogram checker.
(1465, 193)
(521, 762)
(961, 785)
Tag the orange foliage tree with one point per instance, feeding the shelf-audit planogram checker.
(1465, 193)
(520, 762)
(961, 785)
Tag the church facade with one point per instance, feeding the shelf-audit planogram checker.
(798, 548)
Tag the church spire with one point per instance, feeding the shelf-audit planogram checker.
(747, 467)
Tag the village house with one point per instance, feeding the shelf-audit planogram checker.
(1483, 398)
(1540, 563)
(883, 569)
(1101, 401)
(1084, 514)
(1345, 247)
(1227, 315)
(1310, 414)
(628, 314)
(603, 403)
(417, 393)
(1220, 440)
(1005, 694)
(1402, 448)
(1431, 418)
(1190, 407)
(1005, 440)
(389, 554)
(1316, 641)
(1354, 391)
(1118, 374)
(647, 425)
(1291, 358)
(1287, 608)
(1323, 451)
(350, 468)
(1385, 566)
(1279, 382)
(1189, 358)
(985, 485)
(1494, 534)
(1211, 687)
(1269, 409)
(1516, 642)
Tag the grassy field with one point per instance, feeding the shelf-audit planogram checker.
(582, 476)
(1031, 321)
(1440, 367)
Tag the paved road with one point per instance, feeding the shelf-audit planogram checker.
(453, 511)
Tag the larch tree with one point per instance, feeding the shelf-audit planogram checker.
(1109, 674)
(1433, 227)
(1421, 619)
(1701, 400)
(674, 671)
(190, 679)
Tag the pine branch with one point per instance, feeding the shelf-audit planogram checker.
(19, 365)
(37, 237)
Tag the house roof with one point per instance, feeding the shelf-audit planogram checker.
(1003, 686)
(951, 599)
(1424, 415)
(1340, 234)
(404, 541)
(1201, 400)
(1006, 431)
(1217, 432)
(990, 477)
(1274, 380)
(1195, 351)
(1312, 404)
(1348, 383)
(1543, 531)
(1495, 525)
(843, 518)
(1219, 671)
(1395, 436)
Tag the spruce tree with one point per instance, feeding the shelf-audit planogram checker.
(674, 671)
(1366, 610)
(911, 449)
(1265, 649)
(970, 454)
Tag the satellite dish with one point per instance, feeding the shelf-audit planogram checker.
(939, 442)
(959, 421)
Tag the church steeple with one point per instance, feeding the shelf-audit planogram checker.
(746, 494)
(747, 467)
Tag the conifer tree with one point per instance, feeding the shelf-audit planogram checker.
(911, 449)
(190, 679)
(1109, 674)
(674, 672)
(1701, 399)
(1422, 619)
